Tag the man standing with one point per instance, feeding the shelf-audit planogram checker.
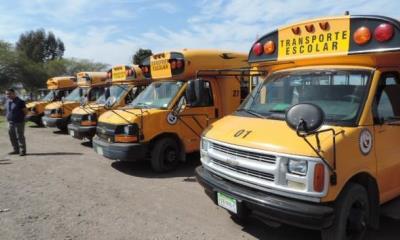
(16, 111)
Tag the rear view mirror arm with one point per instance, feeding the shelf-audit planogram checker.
(332, 169)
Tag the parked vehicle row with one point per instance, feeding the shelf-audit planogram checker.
(312, 144)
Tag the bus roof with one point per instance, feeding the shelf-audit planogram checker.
(366, 40)
(123, 74)
(185, 63)
(87, 79)
(61, 82)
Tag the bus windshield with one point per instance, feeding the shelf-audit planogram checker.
(49, 96)
(339, 93)
(116, 91)
(74, 95)
(157, 95)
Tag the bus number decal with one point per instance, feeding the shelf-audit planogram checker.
(242, 133)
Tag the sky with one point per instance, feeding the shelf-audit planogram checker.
(110, 31)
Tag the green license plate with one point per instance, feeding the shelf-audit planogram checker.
(227, 202)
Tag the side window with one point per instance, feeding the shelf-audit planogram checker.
(204, 97)
(387, 99)
(95, 93)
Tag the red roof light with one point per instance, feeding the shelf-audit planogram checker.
(258, 49)
(383, 32)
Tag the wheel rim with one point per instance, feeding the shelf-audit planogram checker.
(357, 220)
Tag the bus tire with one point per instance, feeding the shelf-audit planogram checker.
(352, 211)
(165, 155)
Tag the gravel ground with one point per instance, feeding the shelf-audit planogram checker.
(63, 190)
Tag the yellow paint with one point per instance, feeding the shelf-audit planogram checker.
(119, 78)
(160, 67)
(330, 42)
(381, 163)
(85, 80)
(118, 73)
(153, 122)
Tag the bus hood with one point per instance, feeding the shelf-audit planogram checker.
(35, 103)
(274, 136)
(120, 117)
(88, 109)
(59, 104)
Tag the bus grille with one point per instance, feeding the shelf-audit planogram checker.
(244, 154)
(246, 171)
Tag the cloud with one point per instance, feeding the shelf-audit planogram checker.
(111, 31)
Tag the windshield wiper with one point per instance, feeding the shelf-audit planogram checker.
(277, 111)
(250, 112)
(141, 105)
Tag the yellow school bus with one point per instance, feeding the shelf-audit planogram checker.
(126, 82)
(314, 145)
(165, 121)
(90, 87)
(58, 87)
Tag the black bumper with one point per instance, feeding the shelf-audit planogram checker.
(34, 118)
(268, 206)
(120, 151)
(81, 132)
(60, 123)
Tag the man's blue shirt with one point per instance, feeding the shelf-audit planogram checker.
(15, 110)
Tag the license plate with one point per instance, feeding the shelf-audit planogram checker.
(226, 202)
(72, 133)
(100, 150)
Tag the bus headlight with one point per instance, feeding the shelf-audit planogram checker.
(298, 167)
(204, 144)
(127, 133)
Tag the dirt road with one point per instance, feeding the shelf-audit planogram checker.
(63, 190)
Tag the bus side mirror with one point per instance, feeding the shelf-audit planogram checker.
(180, 107)
(107, 93)
(190, 93)
(80, 92)
(305, 118)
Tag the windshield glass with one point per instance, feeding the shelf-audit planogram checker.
(116, 91)
(157, 95)
(340, 94)
(74, 95)
(49, 96)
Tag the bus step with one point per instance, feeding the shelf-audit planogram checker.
(391, 209)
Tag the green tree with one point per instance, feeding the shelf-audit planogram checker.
(141, 54)
(39, 46)
(8, 65)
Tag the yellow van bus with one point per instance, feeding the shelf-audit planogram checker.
(315, 143)
(58, 87)
(90, 87)
(126, 83)
(165, 121)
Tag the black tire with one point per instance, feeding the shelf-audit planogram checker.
(165, 155)
(39, 123)
(352, 215)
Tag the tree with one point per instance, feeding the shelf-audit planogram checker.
(140, 55)
(8, 65)
(39, 46)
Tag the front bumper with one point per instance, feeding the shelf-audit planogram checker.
(268, 206)
(60, 123)
(120, 151)
(34, 118)
(81, 132)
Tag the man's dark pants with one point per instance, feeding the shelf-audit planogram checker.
(17, 138)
